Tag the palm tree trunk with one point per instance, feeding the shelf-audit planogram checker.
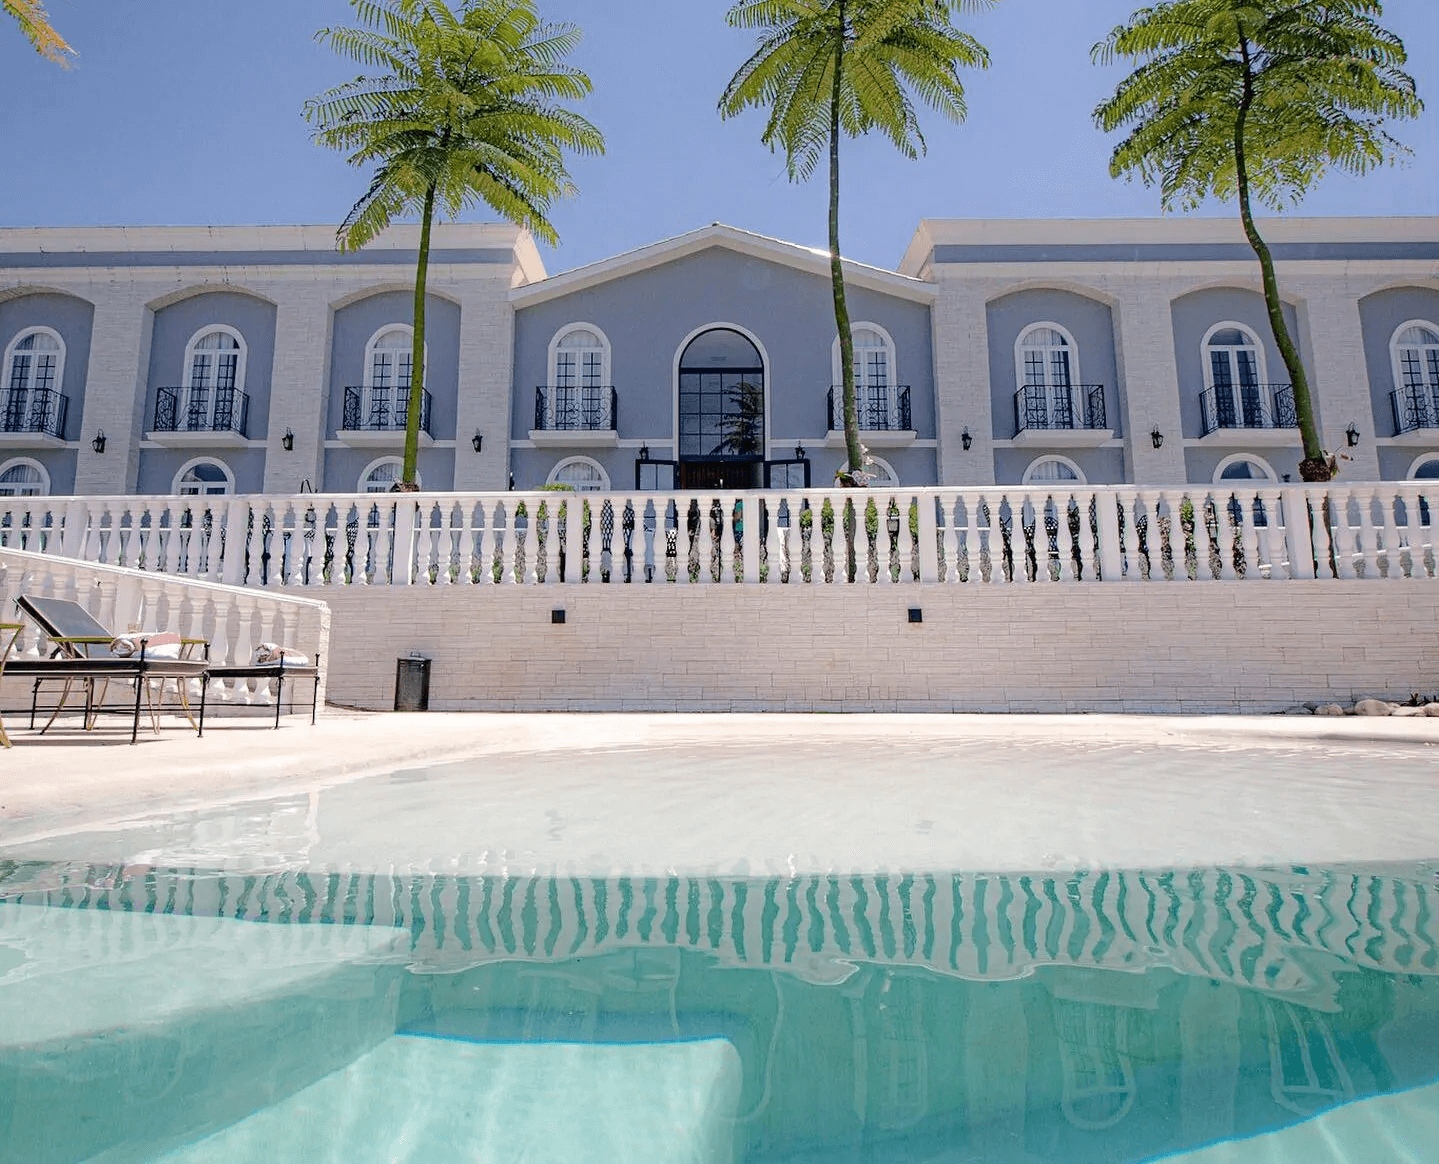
(836, 265)
(1314, 467)
(417, 352)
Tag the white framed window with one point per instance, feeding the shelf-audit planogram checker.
(579, 386)
(380, 475)
(1046, 362)
(1425, 467)
(1244, 467)
(884, 475)
(1414, 348)
(1237, 394)
(214, 377)
(389, 373)
(23, 477)
(1046, 470)
(204, 477)
(875, 377)
(582, 474)
(34, 372)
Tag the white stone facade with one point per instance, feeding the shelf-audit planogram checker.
(124, 300)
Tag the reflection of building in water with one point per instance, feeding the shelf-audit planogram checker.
(1009, 1014)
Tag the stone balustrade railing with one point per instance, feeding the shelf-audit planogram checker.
(1057, 533)
(232, 619)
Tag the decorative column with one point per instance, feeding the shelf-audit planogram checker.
(487, 331)
(1144, 351)
(960, 327)
(115, 384)
(299, 392)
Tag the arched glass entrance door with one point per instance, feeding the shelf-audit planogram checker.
(721, 437)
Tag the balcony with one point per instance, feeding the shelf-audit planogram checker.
(34, 419)
(1058, 416)
(195, 424)
(584, 417)
(376, 419)
(1246, 415)
(1416, 413)
(885, 419)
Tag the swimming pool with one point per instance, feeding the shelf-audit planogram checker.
(253, 982)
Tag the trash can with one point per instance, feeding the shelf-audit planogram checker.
(412, 684)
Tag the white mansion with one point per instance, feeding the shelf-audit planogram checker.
(259, 360)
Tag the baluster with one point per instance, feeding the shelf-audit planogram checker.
(479, 561)
(502, 534)
(1090, 529)
(530, 576)
(1249, 534)
(1273, 536)
(781, 564)
(574, 539)
(1413, 534)
(552, 539)
(1018, 538)
(1071, 566)
(756, 530)
(886, 546)
(728, 544)
(1387, 537)
(1321, 511)
(973, 545)
(947, 553)
(175, 515)
(1349, 539)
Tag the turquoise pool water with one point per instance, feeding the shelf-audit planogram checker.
(152, 1013)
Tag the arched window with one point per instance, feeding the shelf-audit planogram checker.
(875, 378)
(380, 475)
(1244, 467)
(389, 372)
(1047, 363)
(1235, 394)
(204, 478)
(579, 389)
(1051, 469)
(884, 475)
(24, 478)
(34, 371)
(1426, 468)
(1415, 351)
(581, 474)
(214, 380)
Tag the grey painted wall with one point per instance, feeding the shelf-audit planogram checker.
(1100, 466)
(356, 323)
(1381, 314)
(1090, 323)
(72, 318)
(175, 327)
(1194, 314)
(58, 463)
(344, 466)
(1394, 462)
(159, 466)
(647, 316)
(1200, 463)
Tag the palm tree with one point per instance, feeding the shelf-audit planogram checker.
(35, 24)
(464, 109)
(831, 68)
(1257, 99)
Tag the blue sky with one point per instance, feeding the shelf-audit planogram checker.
(188, 111)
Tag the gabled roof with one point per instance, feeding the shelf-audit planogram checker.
(810, 259)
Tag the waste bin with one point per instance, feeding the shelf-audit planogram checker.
(412, 684)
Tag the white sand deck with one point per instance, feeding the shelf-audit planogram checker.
(603, 794)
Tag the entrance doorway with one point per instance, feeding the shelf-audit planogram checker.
(722, 412)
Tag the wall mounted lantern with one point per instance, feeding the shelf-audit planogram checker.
(288, 441)
(477, 442)
(98, 444)
(644, 452)
(965, 439)
(1352, 434)
(893, 524)
(1157, 437)
(799, 453)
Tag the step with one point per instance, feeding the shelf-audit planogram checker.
(422, 1100)
(123, 1034)
(1387, 1129)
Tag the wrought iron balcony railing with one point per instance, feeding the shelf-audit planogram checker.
(589, 408)
(387, 412)
(228, 411)
(40, 411)
(1050, 408)
(881, 408)
(1415, 407)
(1248, 406)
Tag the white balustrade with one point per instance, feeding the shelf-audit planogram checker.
(994, 536)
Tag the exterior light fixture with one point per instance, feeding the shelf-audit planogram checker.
(478, 441)
(893, 524)
(965, 439)
(799, 453)
(288, 441)
(1352, 433)
(98, 444)
(1157, 437)
(644, 452)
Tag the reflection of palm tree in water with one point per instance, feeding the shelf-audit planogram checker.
(742, 424)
